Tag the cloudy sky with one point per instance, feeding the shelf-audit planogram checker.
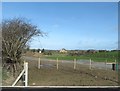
(69, 25)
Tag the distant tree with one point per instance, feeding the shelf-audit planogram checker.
(102, 50)
(16, 33)
(33, 50)
(113, 50)
(38, 50)
(43, 50)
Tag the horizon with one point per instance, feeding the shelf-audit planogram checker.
(75, 49)
(82, 26)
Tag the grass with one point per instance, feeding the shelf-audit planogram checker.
(100, 57)
(8, 79)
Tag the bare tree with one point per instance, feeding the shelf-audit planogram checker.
(16, 33)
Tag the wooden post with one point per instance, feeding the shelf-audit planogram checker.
(57, 63)
(115, 61)
(106, 64)
(90, 64)
(39, 63)
(115, 65)
(74, 64)
(26, 73)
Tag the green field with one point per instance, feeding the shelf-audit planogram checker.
(101, 56)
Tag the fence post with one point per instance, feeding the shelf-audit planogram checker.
(39, 63)
(57, 63)
(74, 63)
(115, 61)
(106, 64)
(115, 65)
(26, 73)
(18, 78)
(90, 64)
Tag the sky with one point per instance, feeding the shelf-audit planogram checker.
(83, 25)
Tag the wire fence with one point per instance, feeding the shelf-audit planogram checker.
(76, 63)
(48, 69)
(101, 70)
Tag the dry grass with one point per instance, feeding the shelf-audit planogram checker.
(33, 54)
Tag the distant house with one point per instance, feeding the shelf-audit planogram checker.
(63, 50)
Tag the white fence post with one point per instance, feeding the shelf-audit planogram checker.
(57, 63)
(74, 64)
(26, 73)
(18, 78)
(90, 64)
(39, 63)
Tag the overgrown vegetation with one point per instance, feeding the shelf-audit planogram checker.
(16, 33)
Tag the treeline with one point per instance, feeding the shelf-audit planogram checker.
(43, 51)
(34, 50)
(86, 52)
(70, 52)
